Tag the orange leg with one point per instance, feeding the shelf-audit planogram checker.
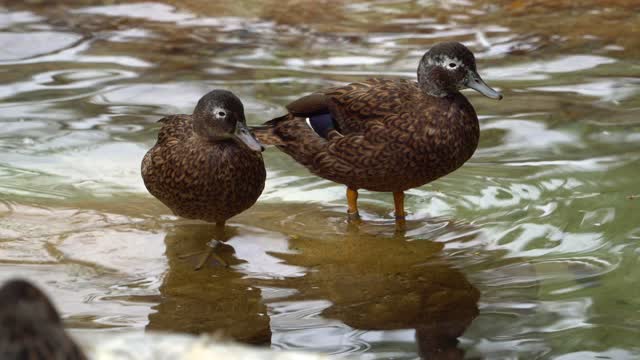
(352, 200)
(398, 200)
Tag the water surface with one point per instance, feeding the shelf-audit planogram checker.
(528, 251)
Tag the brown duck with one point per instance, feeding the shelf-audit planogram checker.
(206, 166)
(386, 135)
(30, 327)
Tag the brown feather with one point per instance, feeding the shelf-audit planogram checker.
(201, 179)
(394, 136)
(309, 105)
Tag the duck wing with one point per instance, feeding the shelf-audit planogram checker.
(363, 106)
(312, 104)
(357, 107)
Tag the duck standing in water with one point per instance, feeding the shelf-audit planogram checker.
(386, 135)
(206, 166)
(30, 327)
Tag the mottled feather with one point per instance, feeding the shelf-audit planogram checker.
(201, 179)
(392, 136)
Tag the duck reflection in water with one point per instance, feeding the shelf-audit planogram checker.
(380, 283)
(215, 300)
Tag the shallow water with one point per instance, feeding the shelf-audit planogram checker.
(528, 251)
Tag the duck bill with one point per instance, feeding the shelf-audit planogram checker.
(244, 136)
(475, 82)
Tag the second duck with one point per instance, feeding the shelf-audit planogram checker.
(206, 166)
(386, 135)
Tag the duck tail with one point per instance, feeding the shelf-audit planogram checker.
(266, 133)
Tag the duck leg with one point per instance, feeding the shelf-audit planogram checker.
(398, 200)
(212, 245)
(352, 200)
(210, 252)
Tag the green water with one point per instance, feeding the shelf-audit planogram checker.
(528, 251)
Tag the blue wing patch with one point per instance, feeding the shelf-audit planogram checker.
(321, 124)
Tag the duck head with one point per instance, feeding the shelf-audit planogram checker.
(219, 116)
(26, 304)
(450, 67)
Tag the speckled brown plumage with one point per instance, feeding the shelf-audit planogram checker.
(392, 137)
(200, 178)
(30, 327)
(387, 135)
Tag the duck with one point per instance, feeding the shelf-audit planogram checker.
(208, 165)
(30, 326)
(386, 135)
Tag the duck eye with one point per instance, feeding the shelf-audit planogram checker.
(222, 114)
(452, 65)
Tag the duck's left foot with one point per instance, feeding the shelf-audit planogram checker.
(205, 255)
(352, 199)
(211, 253)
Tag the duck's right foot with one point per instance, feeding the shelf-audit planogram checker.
(352, 200)
(353, 216)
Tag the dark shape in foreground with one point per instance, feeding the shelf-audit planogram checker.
(206, 166)
(30, 327)
(386, 135)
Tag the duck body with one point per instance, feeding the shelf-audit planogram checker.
(387, 134)
(200, 179)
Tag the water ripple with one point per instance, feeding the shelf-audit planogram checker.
(538, 230)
